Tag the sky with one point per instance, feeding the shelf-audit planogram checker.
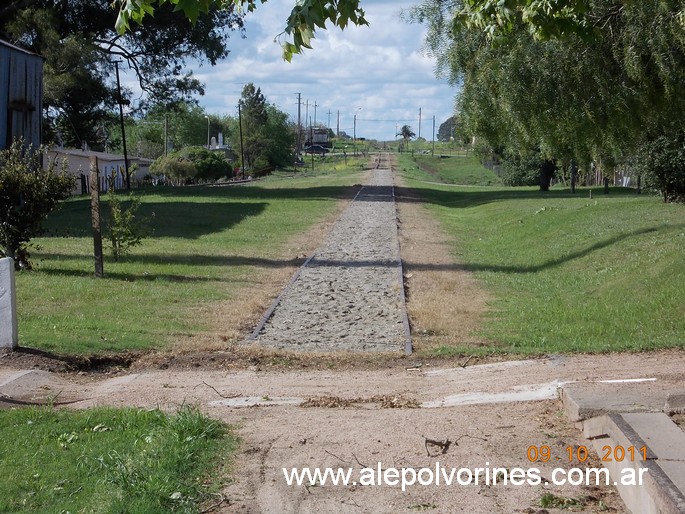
(377, 72)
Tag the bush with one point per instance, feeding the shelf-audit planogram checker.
(661, 162)
(521, 171)
(192, 164)
(211, 166)
(175, 168)
(126, 229)
(28, 193)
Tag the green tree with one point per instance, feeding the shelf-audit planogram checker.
(79, 42)
(305, 17)
(447, 129)
(661, 162)
(253, 118)
(28, 193)
(281, 137)
(407, 134)
(579, 96)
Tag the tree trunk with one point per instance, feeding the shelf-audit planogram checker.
(574, 176)
(546, 174)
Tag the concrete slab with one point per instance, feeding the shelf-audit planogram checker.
(631, 414)
(585, 400)
(658, 431)
(35, 386)
(675, 403)
(525, 393)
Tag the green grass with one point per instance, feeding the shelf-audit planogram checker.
(207, 243)
(568, 273)
(463, 169)
(109, 460)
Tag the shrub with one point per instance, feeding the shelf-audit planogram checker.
(28, 193)
(192, 164)
(175, 167)
(661, 162)
(521, 171)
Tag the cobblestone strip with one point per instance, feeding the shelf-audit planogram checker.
(349, 296)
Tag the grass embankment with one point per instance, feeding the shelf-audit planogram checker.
(568, 273)
(207, 244)
(110, 460)
(464, 169)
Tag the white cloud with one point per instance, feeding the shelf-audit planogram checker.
(379, 68)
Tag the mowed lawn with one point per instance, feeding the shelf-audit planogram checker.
(111, 460)
(568, 273)
(206, 243)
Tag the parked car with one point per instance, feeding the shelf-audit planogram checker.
(316, 149)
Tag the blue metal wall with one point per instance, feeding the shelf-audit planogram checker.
(21, 95)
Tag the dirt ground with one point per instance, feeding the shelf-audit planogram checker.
(352, 411)
(491, 414)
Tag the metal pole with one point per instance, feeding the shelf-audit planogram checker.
(299, 122)
(207, 132)
(354, 134)
(433, 136)
(419, 123)
(123, 130)
(166, 134)
(242, 149)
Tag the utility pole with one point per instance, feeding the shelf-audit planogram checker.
(166, 134)
(354, 134)
(329, 119)
(123, 129)
(315, 106)
(337, 127)
(299, 122)
(419, 123)
(242, 150)
(433, 136)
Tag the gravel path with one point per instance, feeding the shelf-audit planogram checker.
(349, 296)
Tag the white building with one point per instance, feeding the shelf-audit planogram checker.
(111, 166)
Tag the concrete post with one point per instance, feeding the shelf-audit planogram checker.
(9, 332)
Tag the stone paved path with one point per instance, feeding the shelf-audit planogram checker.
(349, 296)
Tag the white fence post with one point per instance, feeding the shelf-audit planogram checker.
(9, 333)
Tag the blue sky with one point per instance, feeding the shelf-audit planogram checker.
(380, 68)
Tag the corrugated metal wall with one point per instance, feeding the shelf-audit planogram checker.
(21, 95)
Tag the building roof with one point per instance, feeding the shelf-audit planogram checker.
(18, 48)
(102, 156)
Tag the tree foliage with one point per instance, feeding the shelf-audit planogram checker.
(588, 81)
(192, 164)
(267, 136)
(80, 44)
(447, 129)
(305, 18)
(28, 193)
(126, 229)
(661, 162)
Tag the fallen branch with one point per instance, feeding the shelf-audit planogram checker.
(362, 465)
(222, 499)
(444, 445)
(456, 441)
(334, 455)
(466, 361)
(228, 397)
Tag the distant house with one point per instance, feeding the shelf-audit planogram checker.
(111, 166)
(21, 95)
